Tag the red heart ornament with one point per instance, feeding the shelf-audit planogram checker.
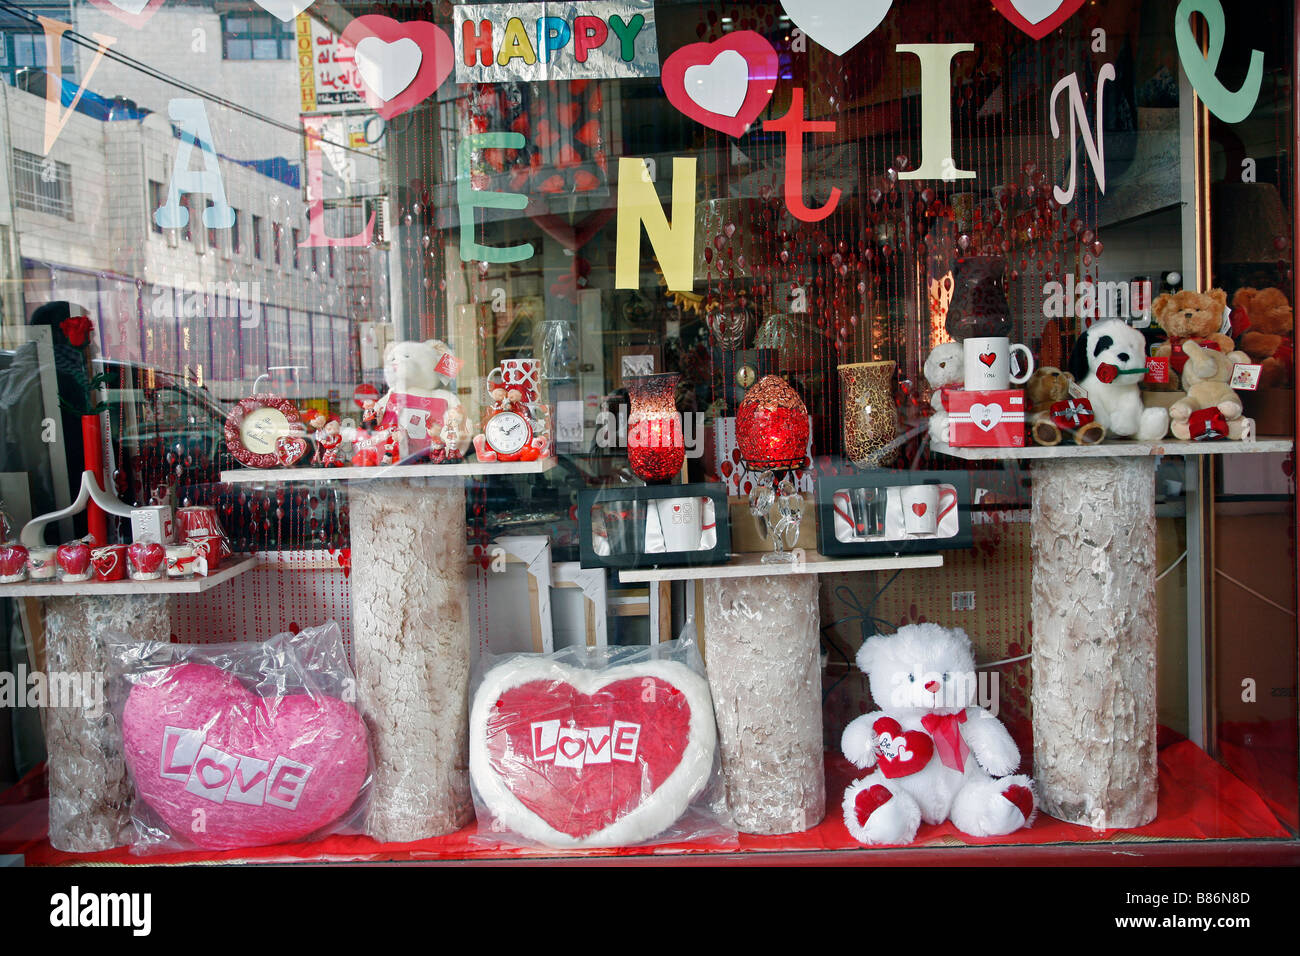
(988, 358)
(901, 754)
(568, 756)
(133, 14)
(263, 770)
(738, 72)
(436, 59)
(289, 450)
(1047, 15)
(147, 556)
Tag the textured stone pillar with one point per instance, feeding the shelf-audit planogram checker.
(1094, 654)
(762, 644)
(411, 642)
(90, 806)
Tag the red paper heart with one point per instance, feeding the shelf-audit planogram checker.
(435, 64)
(590, 757)
(1043, 27)
(764, 68)
(546, 134)
(589, 134)
(568, 113)
(239, 730)
(901, 754)
(918, 508)
(988, 358)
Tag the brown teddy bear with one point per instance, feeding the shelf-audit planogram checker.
(1047, 387)
(1189, 316)
(1205, 377)
(1266, 316)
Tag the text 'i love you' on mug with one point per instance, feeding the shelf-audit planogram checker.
(988, 364)
(924, 506)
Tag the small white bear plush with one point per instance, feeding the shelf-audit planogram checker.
(943, 367)
(420, 392)
(933, 755)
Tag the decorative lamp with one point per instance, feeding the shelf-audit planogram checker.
(772, 436)
(655, 444)
(979, 301)
(791, 337)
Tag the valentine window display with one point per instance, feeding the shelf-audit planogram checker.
(796, 328)
(581, 749)
(240, 745)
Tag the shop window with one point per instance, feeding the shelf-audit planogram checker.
(257, 237)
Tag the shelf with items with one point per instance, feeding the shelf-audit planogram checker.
(386, 472)
(751, 566)
(192, 585)
(1119, 449)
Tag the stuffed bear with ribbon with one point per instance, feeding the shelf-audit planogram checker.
(1055, 414)
(930, 753)
(1206, 377)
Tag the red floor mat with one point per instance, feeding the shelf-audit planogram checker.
(1199, 799)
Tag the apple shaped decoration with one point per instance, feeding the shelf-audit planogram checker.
(772, 426)
(73, 560)
(13, 562)
(146, 560)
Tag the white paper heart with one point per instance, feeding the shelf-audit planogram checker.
(133, 7)
(986, 417)
(1036, 11)
(388, 68)
(720, 86)
(284, 10)
(656, 812)
(834, 24)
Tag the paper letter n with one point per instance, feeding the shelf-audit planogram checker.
(673, 244)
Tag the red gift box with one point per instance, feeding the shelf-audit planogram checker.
(986, 419)
(1072, 413)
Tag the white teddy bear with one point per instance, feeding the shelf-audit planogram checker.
(933, 755)
(944, 366)
(420, 392)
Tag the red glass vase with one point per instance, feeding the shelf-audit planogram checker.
(772, 426)
(656, 447)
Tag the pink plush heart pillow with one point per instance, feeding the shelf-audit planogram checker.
(227, 768)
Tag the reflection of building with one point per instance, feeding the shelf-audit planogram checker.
(219, 306)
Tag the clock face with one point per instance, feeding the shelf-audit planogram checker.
(507, 433)
(261, 427)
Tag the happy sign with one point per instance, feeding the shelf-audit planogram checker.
(568, 756)
(504, 43)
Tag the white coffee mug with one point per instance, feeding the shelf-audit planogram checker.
(988, 364)
(680, 519)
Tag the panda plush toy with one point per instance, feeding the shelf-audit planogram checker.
(1108, 362)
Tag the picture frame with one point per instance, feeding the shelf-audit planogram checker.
(891, 487)
(631, 550)
(247, 426)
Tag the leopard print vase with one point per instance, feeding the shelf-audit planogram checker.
(870, 417)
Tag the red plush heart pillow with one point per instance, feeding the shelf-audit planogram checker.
(567, 756)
